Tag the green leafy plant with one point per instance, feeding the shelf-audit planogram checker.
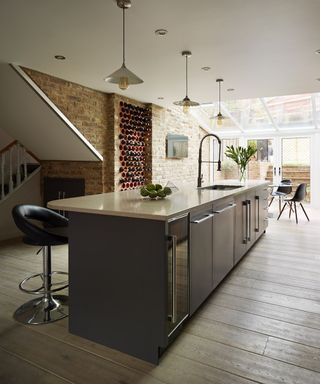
(241, 156)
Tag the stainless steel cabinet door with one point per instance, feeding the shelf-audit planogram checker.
(178, 272)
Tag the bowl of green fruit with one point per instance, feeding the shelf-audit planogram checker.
(155, 191)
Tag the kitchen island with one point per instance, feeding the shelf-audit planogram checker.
(139, 268)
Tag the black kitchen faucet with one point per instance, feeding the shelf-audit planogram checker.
(200, 157)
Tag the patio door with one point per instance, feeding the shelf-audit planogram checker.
(279, 158)
(262, 165)
(296, 161)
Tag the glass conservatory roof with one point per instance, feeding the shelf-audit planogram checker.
(279, 113)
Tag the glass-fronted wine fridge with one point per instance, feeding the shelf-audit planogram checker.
(178, 272)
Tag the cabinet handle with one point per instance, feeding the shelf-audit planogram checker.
(244, 222)
(257, 229)
(205, 218)
(249, 219)
(177, 217)
(173, 317)
(232, 205)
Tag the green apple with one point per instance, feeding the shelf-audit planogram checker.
(167, 190)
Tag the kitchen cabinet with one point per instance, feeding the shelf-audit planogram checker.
(153, 263)
(261, 206)
(178, 272)
(223, 240)
(250, 220)
(211, 249)
(201, 260)
(56, 188)
(241, 220)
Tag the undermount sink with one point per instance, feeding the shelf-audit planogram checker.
(222, 187)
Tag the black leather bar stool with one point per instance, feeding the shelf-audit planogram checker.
(47, 307)
(299, 196)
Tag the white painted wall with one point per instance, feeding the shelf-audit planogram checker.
(315, 170)
(27, 193)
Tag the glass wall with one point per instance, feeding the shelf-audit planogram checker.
(261, 166)
(229, 169)
(284, 129)
(296, 161)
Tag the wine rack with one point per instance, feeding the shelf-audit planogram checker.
(134, 146)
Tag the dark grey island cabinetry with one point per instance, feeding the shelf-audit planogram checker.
(201, 260)
(211, 249)
(138, 269)
(251, 219)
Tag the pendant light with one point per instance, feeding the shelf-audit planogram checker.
(219, 116)
(123, 76)
(186, 103)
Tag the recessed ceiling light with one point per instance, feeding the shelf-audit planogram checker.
(160, 98)
(161, 32)
(317, 51)
(60, 57)
(230, 89)
(206, 68)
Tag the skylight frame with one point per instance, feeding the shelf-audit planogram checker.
(242, 127)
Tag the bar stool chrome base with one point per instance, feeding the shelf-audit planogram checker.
(43, 310)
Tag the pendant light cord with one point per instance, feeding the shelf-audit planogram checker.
(219, 96)
(187, 76)
(123, 35)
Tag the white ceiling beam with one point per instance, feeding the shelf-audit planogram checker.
(314, 111)
(227, 112)
(245, 117)
(275, 125)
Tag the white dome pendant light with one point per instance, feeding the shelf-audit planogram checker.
(122, 76)
(186, 103)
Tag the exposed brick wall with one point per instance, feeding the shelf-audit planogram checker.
(173, 120)
(91, 171)
(96, 115)
(92, 112)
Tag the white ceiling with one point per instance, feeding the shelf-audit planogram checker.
(261, 48)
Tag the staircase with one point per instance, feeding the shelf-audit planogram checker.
(17, 165)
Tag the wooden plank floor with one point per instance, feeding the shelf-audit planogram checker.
(262, 325)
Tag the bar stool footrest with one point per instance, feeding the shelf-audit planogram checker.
(40, 291)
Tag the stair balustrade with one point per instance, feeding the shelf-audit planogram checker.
(16, 165)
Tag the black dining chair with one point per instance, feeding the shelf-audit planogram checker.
(47, 307)
(298, 197)
(281, 191)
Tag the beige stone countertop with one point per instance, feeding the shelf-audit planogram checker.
(131, 204)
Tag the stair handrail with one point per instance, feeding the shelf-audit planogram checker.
(7, 147)
(21, 161)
